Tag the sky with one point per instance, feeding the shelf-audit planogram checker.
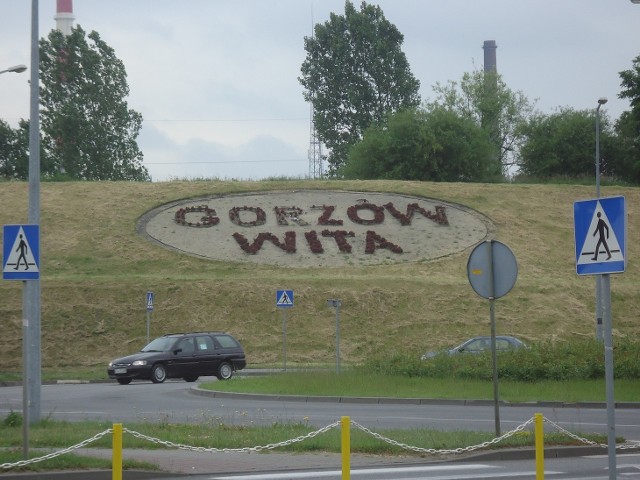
(216, 81)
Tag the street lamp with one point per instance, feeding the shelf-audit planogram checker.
(601, 101)
(599, 337)
(16, 68)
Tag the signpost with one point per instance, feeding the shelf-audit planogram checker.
(21, 261)
(600, 247)
(492, 270)
(336, 304)
(284, 300)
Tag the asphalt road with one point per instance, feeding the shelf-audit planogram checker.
(175, 401)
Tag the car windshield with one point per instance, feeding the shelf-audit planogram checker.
(162, 344)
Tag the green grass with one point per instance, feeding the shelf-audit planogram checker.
(210, 433)
(97, 270)
(358, 384)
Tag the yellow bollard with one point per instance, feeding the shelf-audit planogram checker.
(116, 456)
(539, 437)
(345, 425)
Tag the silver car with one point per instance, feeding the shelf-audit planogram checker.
(481, 344)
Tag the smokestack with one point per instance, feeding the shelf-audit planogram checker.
(64, 16)
(489, 47)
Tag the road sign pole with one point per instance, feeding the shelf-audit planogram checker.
(284, 339)
(608, 370)
(25, 377)
(148, 323)
(494, 357)
(31, 290)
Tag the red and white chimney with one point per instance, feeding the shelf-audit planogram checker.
(64, 16)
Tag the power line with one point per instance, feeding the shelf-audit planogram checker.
(226, 161)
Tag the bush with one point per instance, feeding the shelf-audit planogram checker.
(13, 419)
(572, 360)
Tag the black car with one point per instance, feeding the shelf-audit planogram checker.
(181, 355)
(481, 344)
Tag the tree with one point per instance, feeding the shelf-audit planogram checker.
(486, 99)
(355, 74)
(14, 155)
(436, 145)
(628, 125)
(89, 133)
(563, 145)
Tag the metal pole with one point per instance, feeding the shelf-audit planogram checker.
(32, 287)
(608, 370)
(337, 303)
(25, 376)
(601, 102)
(284, 339)
(494, 359)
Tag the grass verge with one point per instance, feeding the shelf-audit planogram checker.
(355, 383)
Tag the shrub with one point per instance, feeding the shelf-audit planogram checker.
(572, 360)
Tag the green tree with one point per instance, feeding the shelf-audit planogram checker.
(435, 145)
(628, 125)
(486, 99)
(563, 145)
(14, 151)
(89, 132)
(355, 74)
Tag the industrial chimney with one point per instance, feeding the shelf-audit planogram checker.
(64, 16)
(489, 48)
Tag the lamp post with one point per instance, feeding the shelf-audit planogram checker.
(599, 335)
(16, 68)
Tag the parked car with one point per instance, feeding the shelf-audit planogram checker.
(181, 355)
(480, 344)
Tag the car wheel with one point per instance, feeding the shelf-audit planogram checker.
(191, 378)
(225, 371)
(124, 381)
(158, 373)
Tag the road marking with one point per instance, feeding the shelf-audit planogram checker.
(370, 472)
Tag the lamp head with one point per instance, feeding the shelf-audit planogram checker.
(603, 100)
(17, 68)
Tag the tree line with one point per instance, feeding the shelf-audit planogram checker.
(366, 110)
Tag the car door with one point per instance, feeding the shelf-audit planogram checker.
(206, 354)
(185, 360)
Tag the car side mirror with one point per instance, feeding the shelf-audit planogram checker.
(177, 351)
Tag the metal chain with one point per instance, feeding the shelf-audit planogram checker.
(259, 448)
(623, 446)
(22, 463)
(301, 438)
(434, 451)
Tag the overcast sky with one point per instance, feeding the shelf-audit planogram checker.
(217, 80)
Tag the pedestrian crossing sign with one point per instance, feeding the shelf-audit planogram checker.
(600, 235)
(21, 252)
(284, 298)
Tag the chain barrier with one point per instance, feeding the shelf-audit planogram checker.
(22, 463)
(301, 438)
(623, 446)
(270, 446)
(434, 451)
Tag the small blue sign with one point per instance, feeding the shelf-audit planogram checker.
(284, 298)
(21, 252)
(149, 301)
(600, 235)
